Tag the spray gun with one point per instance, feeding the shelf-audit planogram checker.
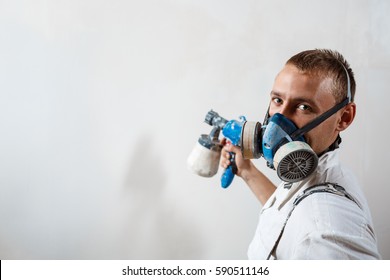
(204, 158)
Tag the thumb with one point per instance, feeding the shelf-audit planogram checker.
(232, 148)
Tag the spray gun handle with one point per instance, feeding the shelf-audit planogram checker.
(232, 131)
(228, 175)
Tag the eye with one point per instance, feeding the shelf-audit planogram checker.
(277, 100)
(304, 107)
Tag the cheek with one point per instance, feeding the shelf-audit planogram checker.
(321, 137)
(272, 110)
(313, 139)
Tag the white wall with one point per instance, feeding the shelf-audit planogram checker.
(102, 101)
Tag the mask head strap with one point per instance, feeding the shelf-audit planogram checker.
(328, 113)
(349, 94)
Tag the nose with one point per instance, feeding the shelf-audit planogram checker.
(281, 109)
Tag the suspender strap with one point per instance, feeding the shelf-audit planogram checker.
(324, 187)
(320, 188)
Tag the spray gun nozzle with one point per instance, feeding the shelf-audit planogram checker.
(212, 118)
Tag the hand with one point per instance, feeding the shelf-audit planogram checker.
(241, 163)
(261, 186)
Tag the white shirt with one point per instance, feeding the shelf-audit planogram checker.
(323, 225)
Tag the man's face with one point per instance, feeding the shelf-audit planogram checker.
(301, 98)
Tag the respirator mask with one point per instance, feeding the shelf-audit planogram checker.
(285, 151)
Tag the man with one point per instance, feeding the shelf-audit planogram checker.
(330, 219)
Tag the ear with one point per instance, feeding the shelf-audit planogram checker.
(347, 116)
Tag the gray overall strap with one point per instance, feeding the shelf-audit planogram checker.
(319, 188)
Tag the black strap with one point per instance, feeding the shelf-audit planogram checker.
(319, 119)
(319, 188)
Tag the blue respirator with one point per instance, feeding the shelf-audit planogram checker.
(292, 158)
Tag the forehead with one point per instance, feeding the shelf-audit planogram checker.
(293, 83)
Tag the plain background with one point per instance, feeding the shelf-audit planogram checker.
(101, 103)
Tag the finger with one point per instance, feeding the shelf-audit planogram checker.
(224, 165)
(225, 162)
(228, 146)
(223, 141)
(231, 148)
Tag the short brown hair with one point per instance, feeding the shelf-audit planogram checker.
(329, 63)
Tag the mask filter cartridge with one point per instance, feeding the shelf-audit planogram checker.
(294, 161)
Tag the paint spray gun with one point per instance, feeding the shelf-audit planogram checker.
(204, 158)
